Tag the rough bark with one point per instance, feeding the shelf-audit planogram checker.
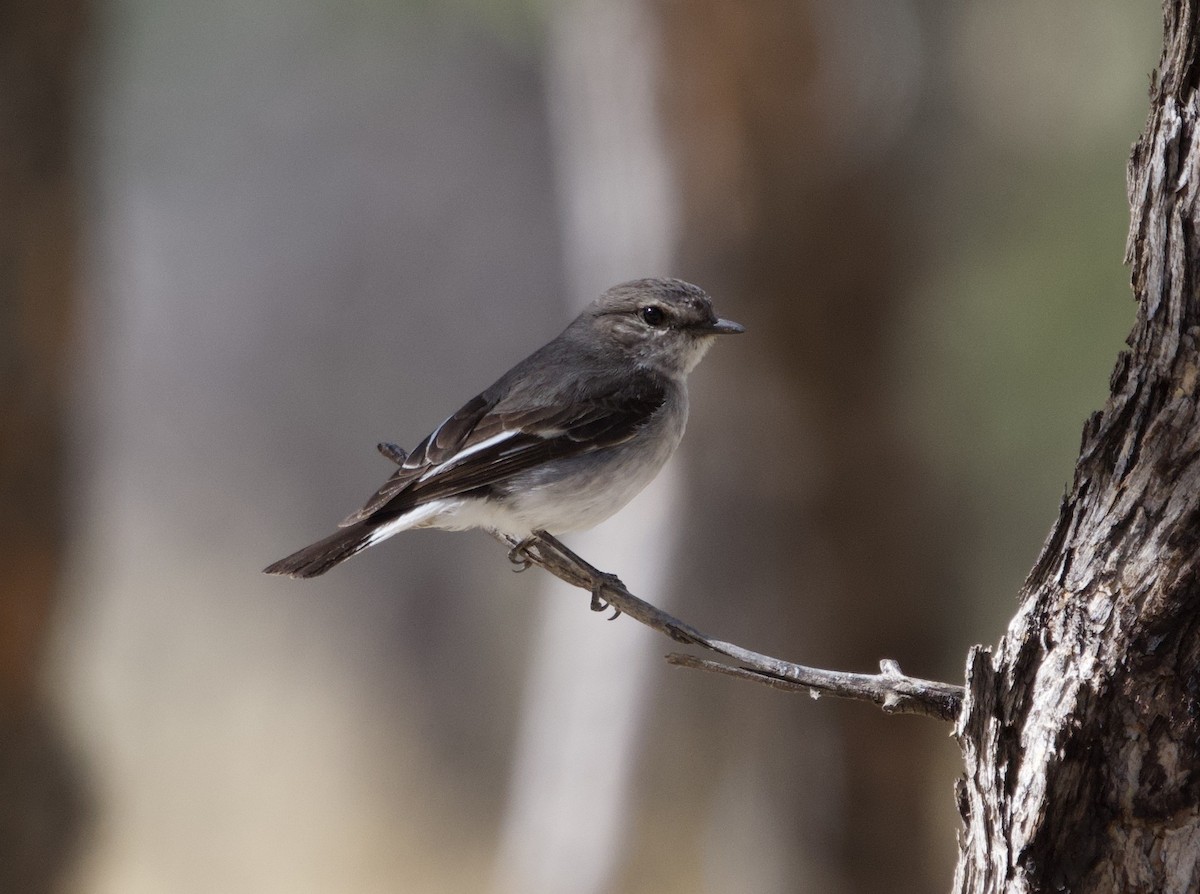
(1081, 729)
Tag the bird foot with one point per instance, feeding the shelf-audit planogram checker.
(599, 604)
(519, 556)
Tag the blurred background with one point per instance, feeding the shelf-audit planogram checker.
(243, 243)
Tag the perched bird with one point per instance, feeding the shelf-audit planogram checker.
(560, 442)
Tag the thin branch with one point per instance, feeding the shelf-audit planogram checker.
(890, 689)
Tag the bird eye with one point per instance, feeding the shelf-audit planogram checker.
(653, 316)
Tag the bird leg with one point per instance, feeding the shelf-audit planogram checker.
(597, 579)
(556, 558)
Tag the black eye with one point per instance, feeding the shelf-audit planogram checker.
(653, 316)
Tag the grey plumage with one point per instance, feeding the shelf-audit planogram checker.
(561, 441)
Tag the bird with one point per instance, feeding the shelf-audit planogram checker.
(558, 443)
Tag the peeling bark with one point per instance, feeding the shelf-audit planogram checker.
(1081, 729)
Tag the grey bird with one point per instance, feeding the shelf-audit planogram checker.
(560, 442)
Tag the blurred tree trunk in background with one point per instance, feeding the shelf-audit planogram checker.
(1082, 731)
(40, 47)
(618, 211)
(792, 203)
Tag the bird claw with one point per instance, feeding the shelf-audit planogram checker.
(519, 556)
(599, 604)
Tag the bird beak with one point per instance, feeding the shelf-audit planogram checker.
(721, 327)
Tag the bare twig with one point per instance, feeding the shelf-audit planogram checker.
(890, 689)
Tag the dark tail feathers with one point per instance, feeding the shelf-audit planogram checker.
(319, 557)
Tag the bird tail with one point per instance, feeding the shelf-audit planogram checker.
(319, 557)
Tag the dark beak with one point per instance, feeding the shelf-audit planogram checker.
(721, 327)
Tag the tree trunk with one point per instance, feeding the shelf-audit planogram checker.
(40, 46)
(794, 204)
(567, 823)
(1081, 730)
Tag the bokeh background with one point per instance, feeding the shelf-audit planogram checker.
(242, 243)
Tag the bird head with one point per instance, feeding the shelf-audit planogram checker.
(661, 323)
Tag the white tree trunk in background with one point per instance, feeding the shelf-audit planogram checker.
(585, 695)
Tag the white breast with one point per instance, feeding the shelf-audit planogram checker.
(578, 493)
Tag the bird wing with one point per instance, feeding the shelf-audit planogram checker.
(481, 445)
